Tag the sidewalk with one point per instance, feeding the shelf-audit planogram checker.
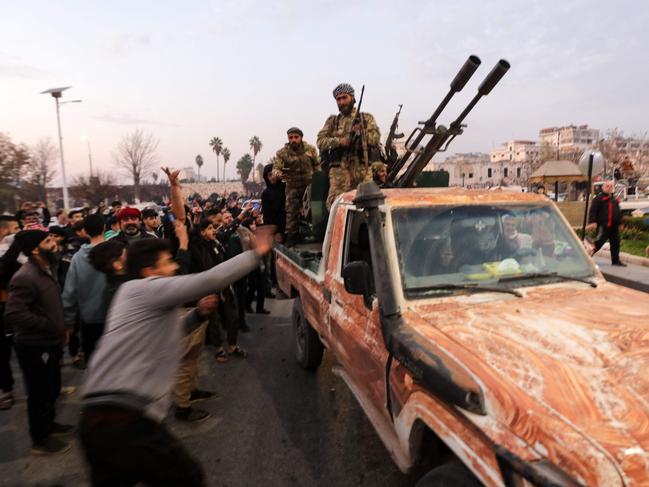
(633, 275)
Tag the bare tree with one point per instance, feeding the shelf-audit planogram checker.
(136, 155)
(14, 159)
(95, 189)
(40, 169)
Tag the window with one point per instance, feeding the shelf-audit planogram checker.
(518, 172)
(470, 175)
(505, 172)
(488, 172)
(357, 241)
(467, 245)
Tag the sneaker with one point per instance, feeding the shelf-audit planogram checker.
(191, 415)
(59, 429)
(50, 446)
(7, 400)
(619, 264)
(199, 395)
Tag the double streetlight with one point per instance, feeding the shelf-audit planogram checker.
(56, 94)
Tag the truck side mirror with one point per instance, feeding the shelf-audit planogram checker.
(358, 279)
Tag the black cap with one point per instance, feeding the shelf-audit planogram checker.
(295, 130)
(28, 240)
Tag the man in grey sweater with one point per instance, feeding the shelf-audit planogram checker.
(131, 374)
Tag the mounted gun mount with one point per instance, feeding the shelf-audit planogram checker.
(441, 136)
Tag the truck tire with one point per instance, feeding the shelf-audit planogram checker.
(449, 475)
(308, 347)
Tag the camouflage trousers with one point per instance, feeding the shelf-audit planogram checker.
(345, 178)
(294, 194)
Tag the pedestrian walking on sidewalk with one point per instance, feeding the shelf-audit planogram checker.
(605, 216)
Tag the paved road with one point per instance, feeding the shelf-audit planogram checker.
(273, 424)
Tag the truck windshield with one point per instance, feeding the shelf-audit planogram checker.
(500, 245)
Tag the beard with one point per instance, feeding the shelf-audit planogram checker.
(346, 109)
(51, 257)
(131, 229)
(295, 145)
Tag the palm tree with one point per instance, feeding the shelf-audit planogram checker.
(217, 146)
(255, 145)
(199, 163)
(226, 158)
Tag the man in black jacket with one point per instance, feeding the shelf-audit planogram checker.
(273, 200)
(605, 215)
(8, 266)
(35, 311)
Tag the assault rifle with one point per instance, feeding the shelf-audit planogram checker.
(390, 153)
(442, 136)
(361, 134)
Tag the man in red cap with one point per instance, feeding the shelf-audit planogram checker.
(130, 224)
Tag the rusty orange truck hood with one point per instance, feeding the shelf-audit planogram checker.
(578, 354)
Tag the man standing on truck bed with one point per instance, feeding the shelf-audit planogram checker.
(341, 146)
(295, 164)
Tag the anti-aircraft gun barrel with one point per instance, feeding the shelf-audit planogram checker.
(442, 136)
(461, 79)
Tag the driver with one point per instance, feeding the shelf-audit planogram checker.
(478, 238)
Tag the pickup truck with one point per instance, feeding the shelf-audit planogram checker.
(478, 336)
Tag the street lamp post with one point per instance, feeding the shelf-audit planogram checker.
(56, 94)
(89, 153)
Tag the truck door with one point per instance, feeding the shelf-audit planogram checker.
(354, 321)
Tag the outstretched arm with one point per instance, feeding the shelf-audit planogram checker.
(174, 291)
(177, 205)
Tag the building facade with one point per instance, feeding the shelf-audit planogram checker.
(568, 142)
(478, 170)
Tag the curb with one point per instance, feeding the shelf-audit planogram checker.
(626, 258)
(623, 281)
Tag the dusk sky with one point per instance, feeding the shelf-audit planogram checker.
(188, 71)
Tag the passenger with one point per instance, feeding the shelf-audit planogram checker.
(542, 227)
(513, 240)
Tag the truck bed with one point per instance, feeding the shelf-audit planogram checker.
(307, 255)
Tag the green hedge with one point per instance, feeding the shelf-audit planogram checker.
(637, 223)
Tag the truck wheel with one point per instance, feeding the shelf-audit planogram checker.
(308, 347)
(449, 475)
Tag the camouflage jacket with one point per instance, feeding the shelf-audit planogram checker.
(338, 126)
(297, 165)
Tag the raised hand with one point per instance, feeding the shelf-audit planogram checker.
(262, 240)
(172, 176)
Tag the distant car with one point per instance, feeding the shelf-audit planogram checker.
(640, 212)
(562, 196)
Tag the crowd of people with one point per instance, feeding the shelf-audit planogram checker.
(135, 297)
